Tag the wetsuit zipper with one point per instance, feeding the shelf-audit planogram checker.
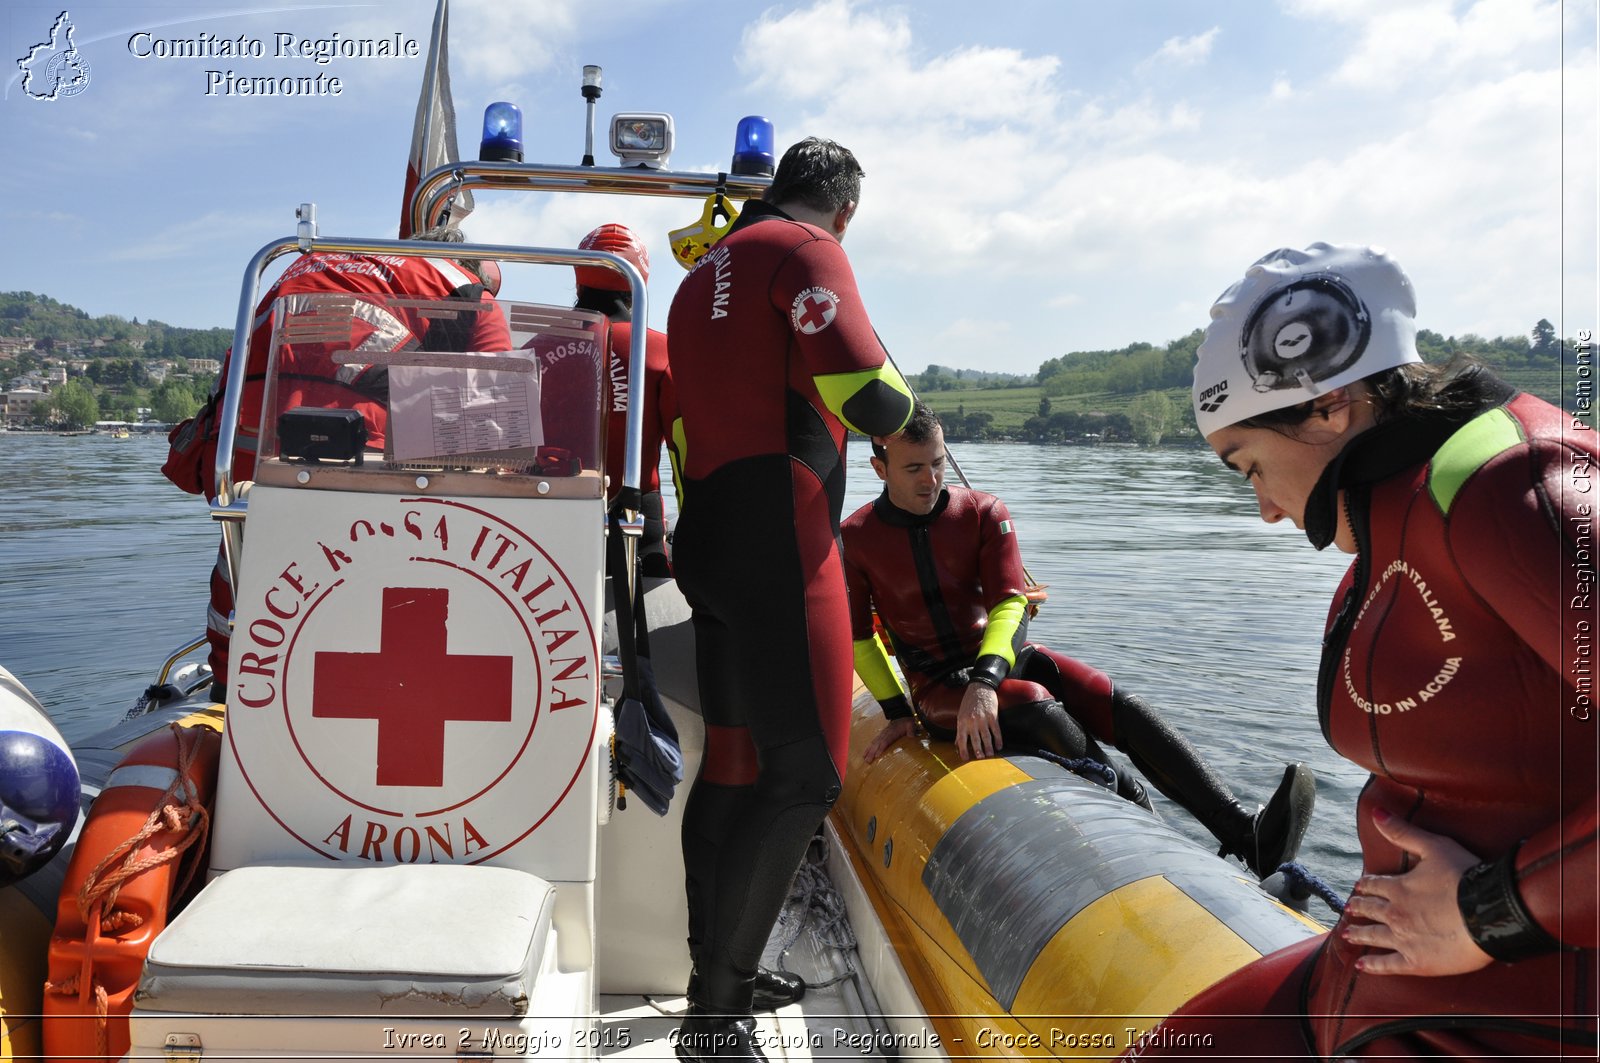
(938, 611)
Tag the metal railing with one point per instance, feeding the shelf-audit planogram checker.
(428, 201)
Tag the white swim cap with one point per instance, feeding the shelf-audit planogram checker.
(1301, 324)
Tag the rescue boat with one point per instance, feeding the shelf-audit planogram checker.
(406, 833)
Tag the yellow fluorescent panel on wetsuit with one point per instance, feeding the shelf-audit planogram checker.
(872, 665)
(839, 390)
(1000, 633)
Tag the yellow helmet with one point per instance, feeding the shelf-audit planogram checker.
(694, 240)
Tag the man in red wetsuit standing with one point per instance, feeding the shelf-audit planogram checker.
(315, 380)
(773, 359)
(941, 567)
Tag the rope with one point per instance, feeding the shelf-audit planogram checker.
(188, 818)
(98, 895)
(1084, 766)
(815, 904)
(102, 1009)
(1303, 882)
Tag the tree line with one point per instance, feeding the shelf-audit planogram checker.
(1139, 393)
(118, 381)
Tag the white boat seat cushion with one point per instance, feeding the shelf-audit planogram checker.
(412, 939)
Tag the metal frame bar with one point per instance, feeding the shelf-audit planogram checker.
(428, 200)
(227, 509)
(436, 186)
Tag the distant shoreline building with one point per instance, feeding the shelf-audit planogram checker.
(17, 405)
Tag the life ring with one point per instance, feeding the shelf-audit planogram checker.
(126, 877)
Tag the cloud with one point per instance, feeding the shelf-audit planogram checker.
(1183, 51)
(184, 240)
(1000, 114)
(502, 42)
(880, 79)
(561, 221)
(967, 330)
(1407, 40)
(1038, 195)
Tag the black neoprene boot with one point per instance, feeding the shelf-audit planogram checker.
(772, 989)
(1270, 837)
(775, 989)
(719, 1025)
(1048, 726)
(704, 1037)
(1265, 838)
(1130, 788)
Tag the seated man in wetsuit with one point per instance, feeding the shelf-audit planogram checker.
(942, 569)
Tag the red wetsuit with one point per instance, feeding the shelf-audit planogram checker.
(659, 413)
(310, 377)
(934, 581)
(577, 393)
(773, 356)
(1456, 671)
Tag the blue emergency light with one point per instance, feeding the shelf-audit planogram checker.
(502, 133)
(752, 147)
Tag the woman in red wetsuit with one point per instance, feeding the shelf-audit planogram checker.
(1454, 670)
(773, 359)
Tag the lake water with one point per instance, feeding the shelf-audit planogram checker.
(1160, 573)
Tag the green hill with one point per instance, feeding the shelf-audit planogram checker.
(1141, 392)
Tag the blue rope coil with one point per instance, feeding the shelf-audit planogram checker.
(1084, 766)
(1303, 883)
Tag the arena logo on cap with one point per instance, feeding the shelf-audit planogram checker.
(1292, 340)
(814, 310)
(1212, 398)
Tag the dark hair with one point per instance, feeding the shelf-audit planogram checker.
(618, 306)
(923, 424)
(1415, 391)
(819, 173)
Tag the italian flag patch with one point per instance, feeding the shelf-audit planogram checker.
(1005, 527)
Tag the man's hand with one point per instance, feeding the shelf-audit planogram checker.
(978, 723)
(892, 732)
(1414, 916)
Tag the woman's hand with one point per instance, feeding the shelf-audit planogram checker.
(1414, 916)
(978, 723)
(892, 732)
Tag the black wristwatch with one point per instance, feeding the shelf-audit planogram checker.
(1496, 917)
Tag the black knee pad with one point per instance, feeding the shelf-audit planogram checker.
(798, 773)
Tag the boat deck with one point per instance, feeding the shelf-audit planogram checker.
(838, 1018)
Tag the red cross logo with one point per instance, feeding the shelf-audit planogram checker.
(412, 687)
(814, 310)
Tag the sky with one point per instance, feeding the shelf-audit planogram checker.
(1042, 176)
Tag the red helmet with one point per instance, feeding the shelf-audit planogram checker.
(619, 240)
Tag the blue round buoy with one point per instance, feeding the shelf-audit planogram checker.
(38, 802)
